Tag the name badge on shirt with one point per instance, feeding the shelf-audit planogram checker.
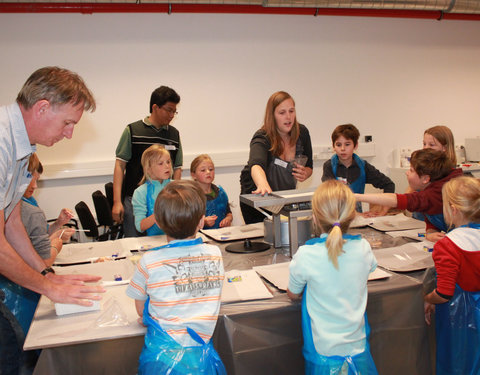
(281, 163)
(170, 147)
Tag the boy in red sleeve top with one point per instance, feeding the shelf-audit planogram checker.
(429, 171)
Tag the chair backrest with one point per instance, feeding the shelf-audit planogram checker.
(86, 219)
(109, 193)
(102, 209)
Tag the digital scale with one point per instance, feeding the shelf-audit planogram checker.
(290, 203)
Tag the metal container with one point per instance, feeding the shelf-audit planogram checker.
(304, 230)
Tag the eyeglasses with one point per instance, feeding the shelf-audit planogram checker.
(170, 111)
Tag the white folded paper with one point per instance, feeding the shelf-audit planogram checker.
(242, 286)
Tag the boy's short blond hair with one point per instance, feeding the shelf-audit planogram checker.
(179, 208)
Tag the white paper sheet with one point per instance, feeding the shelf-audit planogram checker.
(235, 232)
(406, 258)
(361, 221)
(378, 274)
(90, 251)
(278, 274)
(396, 222)
(142, 243)
(242, 286)
(414, 234)
(294, 195)
(107, 270)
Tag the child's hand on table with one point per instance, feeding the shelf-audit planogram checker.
(227, 221)
(434, 236)
(210, 220)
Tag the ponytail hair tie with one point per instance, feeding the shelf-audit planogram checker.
(336, 224)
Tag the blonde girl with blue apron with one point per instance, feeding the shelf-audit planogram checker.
(330, 273)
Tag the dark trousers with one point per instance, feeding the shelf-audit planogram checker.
(11, 341)
(251, 215)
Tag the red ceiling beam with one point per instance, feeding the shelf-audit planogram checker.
(89, 8)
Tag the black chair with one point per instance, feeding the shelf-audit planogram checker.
(109, 193)
(104, 216)
(88, 222)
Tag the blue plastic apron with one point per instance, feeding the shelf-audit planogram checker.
(154, 229)
(20, 301)
(357, 186)
(161, 354)
(438, 221)
(217, 206)
(317, 364)
(458, 334)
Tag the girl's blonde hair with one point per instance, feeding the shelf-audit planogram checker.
(199, 159)
(270, 125)
(150, 156)
(444, 135)
(463, 193)
(333, 205)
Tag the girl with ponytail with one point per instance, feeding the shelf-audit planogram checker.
(335, 267)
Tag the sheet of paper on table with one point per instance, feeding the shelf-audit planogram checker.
(107, 270)
(294, 195)
(48, 329)
(90, 251)
(146, 243)
(234, 233)
(414, 234)
(396, 222)
(243, 285)
(361, 221)
(142, 243)
(278, 274)
(406, 258)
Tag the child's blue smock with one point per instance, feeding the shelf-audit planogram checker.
(217, 206)
(336, 298)
(458, 334)
(161, 354)
(357, 186)
(143, 202)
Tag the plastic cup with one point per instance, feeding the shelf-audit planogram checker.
(301, 160)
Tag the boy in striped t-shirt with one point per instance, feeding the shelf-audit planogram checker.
(177, 288)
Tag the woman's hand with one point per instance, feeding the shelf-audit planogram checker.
(260, 179)
(301, 173)
(263, 189)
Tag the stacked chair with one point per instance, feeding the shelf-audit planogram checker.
(109, 229)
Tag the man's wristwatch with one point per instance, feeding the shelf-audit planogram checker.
(47, 270)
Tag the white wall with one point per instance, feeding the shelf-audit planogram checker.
(392, 78)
